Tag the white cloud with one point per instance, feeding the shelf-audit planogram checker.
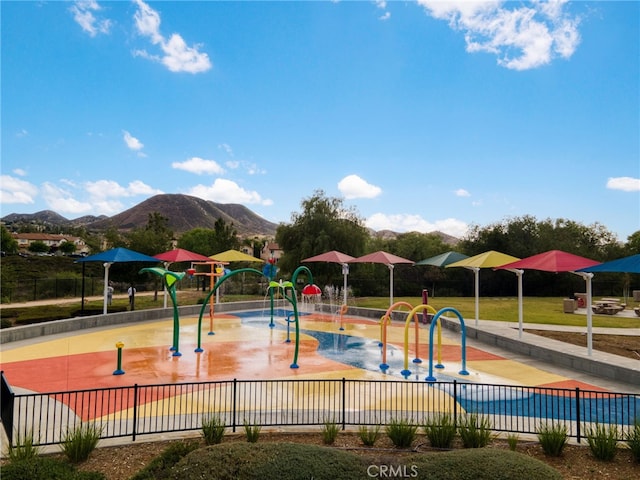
(108, 188)
(415, 223)
(199, 166)
(227, 191)
(352, 186)
(20, 172)
(178, 56)
(461, 192)
(22, 133)
(15, 190)
(132, 142)
(626, 184)
(63, 201)
(522, 36)
(83, 13)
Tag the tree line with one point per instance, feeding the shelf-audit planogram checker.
(325, 223)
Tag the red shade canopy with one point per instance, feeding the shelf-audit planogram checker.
(381, 257)
(551, 261)
(181, 255)
(332, 257)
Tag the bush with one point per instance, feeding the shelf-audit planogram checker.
(46, 468)
(160, 467)
(78, 443)
(212, 429)
(369, 435)
(24, 450)
(330, 431)
(289, 461)
(401, 432)
(632, 438)
(284, 461)
(475, 431)
(440, 430)
(512, 441)
(603, 441)
(552, 438)
(480, 464)
(252, 432)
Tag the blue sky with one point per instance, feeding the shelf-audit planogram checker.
(421, 115)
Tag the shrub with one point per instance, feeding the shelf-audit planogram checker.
(603, 441)
(632, 438)
(269, 460)
(46, 468)
(252, 432)
(160, 466)
(212, 429)
(24, 450)
(330, 431)
(288, 461)
(369, 435)
(481, 463)
(512, 441)
(474, 431)
(401, 432)
(552, 438)
(440, 430)
(78, 443)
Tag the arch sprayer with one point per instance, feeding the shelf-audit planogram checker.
(412, 316)
(463, 331)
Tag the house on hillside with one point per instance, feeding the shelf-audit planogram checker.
(271, 250)
(53, 241)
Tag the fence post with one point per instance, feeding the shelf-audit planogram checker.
(344, 404)
(135, 411)
(455, 404)
(235, 400)
(7, 398)
(578, 433)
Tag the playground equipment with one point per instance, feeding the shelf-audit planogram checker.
(216, 270)
(119, 370)
(170, 280)
(286, 288)
(412, 316)
(463, 342)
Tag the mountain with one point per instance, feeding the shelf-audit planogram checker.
(183, 212)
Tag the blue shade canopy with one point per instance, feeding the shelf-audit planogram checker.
(443, 259)
(629, 264)
(117, 255)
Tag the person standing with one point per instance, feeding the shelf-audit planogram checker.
(109, 295)
(132, 297)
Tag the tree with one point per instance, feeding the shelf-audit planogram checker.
(324, 224)
(67, 247)
(8, 243)
(206, 241)
(38, 247)
(156, 237)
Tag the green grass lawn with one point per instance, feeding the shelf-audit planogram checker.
(543, 310)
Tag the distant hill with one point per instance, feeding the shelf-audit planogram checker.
(186, 213)
(183, 212)
(391, 235)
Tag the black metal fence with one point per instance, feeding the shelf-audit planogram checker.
(152, 409)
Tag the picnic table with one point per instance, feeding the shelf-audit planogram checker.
(608, 306)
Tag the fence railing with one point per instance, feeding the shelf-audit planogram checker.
(151, 409)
